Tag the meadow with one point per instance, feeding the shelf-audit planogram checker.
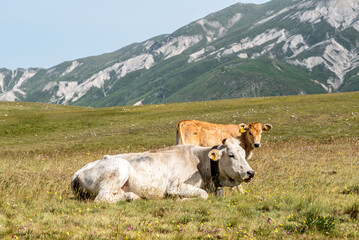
(306, 184)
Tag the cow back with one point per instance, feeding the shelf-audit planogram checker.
(203, 133)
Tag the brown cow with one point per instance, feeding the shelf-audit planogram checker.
(209, 134)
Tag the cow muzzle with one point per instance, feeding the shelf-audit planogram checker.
(249, 176)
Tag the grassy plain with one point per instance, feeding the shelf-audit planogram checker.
(306, 184)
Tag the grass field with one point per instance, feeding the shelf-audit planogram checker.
(306, 184)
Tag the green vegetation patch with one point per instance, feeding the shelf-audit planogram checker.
(306, 182)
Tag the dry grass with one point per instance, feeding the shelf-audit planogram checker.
(298, 192)
(306, 183)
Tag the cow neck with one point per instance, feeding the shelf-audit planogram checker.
(245, 145)
(203, 164)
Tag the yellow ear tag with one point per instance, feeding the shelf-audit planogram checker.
(242, 130)
(213, 157)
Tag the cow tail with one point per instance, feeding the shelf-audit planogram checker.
(179, 136)
(79, 191)
(177, 140)
(75, 185)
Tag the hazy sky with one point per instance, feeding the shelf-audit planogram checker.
(44, 33)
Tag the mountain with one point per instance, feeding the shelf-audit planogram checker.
(282, 47)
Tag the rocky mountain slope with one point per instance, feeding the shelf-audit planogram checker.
(283, 47)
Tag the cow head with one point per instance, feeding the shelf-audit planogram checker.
(233, 167)
(253, 133)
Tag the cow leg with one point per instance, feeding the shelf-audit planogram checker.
(106, 196)
(110, 197)
(186, 190)
(240, 189)
(126, 196)
(111, 188)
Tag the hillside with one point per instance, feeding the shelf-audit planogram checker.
(246, 50)
(36, 127)
(306, 183)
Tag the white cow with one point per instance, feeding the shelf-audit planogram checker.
(182, 170)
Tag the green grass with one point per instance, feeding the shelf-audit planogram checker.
(306, 183)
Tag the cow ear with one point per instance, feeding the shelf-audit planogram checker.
(215, 154)
(266, 127)
(243, 127)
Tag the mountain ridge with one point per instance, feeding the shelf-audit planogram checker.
(246, 50)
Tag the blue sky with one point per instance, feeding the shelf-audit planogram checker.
(44, 33)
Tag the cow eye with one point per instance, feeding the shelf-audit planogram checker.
(250, 133)
(231, 155)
